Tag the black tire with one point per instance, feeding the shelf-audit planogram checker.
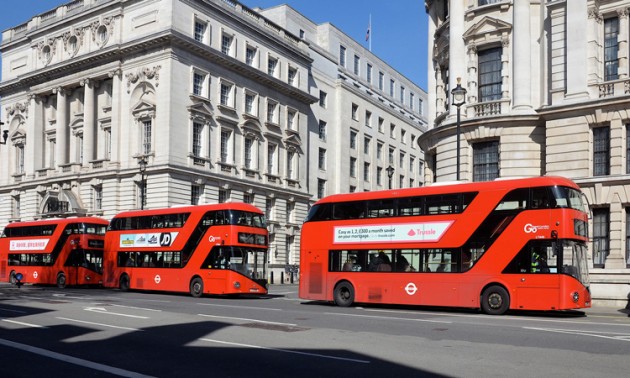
(123, 283)
(61, 280)
(12, 279)
(344, 294)
(495, 300)
(196, 287)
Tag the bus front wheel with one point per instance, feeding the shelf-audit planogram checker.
(344, 294)
(495, 300)
(61, 280)
(196, 287)
(123, 284)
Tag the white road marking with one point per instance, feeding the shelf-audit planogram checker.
(72, 360)
(24, 324)
(137, 308)
(603, 335)
(243, 307)
(99, 324)
(388, 318)
(102, 310)
(247, 320)
(287, 351)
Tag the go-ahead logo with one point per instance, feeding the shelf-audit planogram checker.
(531, 229)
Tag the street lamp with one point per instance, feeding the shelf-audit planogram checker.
(390, 173)
(5, 134)
(143, 181)
(459, 99)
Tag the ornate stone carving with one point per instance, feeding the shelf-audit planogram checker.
(142, 74)
(46, 49)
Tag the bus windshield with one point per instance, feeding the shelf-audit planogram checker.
(249, 262)
(568, 198)
(575, 261)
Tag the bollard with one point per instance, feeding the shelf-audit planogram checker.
(271, 277)
(282, 277)
(291, 277)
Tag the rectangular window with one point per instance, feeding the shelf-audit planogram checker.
(248, 198)
(292, 76)
(269, 205)
(611, 48)
(226, 94)
(369, 73)
(601, 235)
(250, 56)
(321, 188)
(272, 159)
(390, 157)
(392, 85)
(226, 44)
(403, 136)
(272, 112)
(601, 151)
(322, 130)
(353, 167)
(411, 102)
(272, 65)
(401, 161)
(200, 31)
(195, 194)
(368, 118)
(366, 172)
(357, 64)
(381, 80)
(291, 161)
(628, 148)
(225, 146)
(15, 209)
(366, 145)
(402, 94)
(146, 137)
(379, 151)
(355, 112)
(98, 198)
(322, 159)
(322, 99)
(490, 74)
(250, 103)
(292, 120)
(224, 195)
(196, 140)
(249, 153)
(379, 176)
(485, 161)
(342, 56)
(353, 139)
(381, 123)
(198, 84)
(392, 131)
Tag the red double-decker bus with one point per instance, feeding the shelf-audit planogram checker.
(205, 249)
(515, 244)
(66, 251)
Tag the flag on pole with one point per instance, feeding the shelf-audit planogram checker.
(367, 34)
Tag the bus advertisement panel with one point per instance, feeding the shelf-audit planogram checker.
(500, 245)
(66, 251)
(205, 249)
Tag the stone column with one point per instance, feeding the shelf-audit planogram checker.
(61, 135)
(595, 62)
(34, 150)
(115, 141)
(521, 56)
(89, 121)
(576, 39)
(456, 48)
(473, 76)
(623, 43)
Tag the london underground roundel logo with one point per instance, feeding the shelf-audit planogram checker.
(411, 288)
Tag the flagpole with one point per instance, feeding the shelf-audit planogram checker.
(370, 28)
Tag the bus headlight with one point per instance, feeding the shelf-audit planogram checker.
(575, 296)
(237, 285)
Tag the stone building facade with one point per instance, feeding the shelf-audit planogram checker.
(221, 102)
(547, 94)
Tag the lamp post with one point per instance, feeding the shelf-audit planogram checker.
(143, 181)
(459, 99)
(5, 134)
(390, 173)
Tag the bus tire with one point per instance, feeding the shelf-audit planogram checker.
(495, 300)
(123, 283)
(12, 279)
(61, 280)
(196, 287)
(344, 294)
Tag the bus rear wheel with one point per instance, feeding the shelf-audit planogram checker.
(495, 300)
(196, 287)
(61, 280)
(344, 294)
(12, 279)
(123, 283)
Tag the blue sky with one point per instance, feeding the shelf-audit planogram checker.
(399, 27)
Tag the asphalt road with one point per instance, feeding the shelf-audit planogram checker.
(45, 331)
